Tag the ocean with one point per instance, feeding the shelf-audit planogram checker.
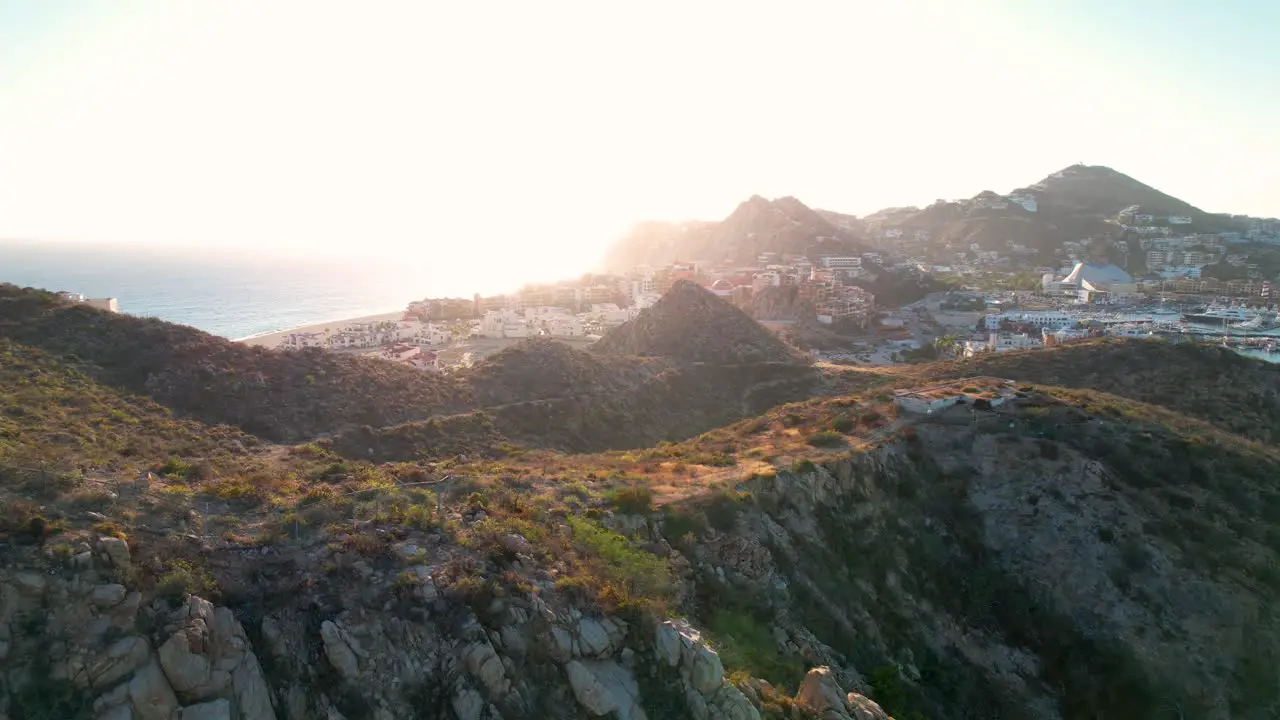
(232, 293)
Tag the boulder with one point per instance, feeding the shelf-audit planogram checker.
(515, 544)
(253, 696)
(338, 651)
(593, 637)
(667, 641)
(116, 551)
(731, 704)
(150, 694)
(706, 673)
(107, 596)
(604, 687)
(484, 664)
(821, 694)
(218, 709)
(30, 583)
(118, 662)
(864, 708)
(561, 648)
(467, 704)
(186, 667)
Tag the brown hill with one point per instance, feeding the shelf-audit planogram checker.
(275, 395)
(1074, 203)
(785, 226)
(692, 325)
(539, 393)
(1236, 393)
(1099, 191)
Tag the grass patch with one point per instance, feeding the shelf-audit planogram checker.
(746, 643)
(621, 574)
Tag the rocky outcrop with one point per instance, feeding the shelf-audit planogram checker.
(604, 687)
(337, 648)
(821, 695)
(707, 693)
(207, 656)
(74, 641)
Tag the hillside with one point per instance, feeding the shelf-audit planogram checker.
(1075, 554)
(656, 243)
(1072, 204)
(1099, 191)
(1239, 394)
(276, 395)
(598, 401)
(757, 225)
(690, 324)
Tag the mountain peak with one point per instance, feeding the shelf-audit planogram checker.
(691, 324)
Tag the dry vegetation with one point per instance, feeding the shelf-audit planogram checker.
(80, 435)
(1214, 384)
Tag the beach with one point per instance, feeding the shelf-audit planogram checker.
(274, 339)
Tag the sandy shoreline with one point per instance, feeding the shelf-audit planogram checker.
(274, 339)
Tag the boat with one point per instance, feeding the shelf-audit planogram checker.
(1221, 315)
(1257, 323)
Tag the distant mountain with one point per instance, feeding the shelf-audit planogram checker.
(692, 325)
(784, 226)
(656, 243)
(1075, 203)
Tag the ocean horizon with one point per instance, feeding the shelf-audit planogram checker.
(231, 293)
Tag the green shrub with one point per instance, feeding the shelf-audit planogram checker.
(825, 439)
(175, 468)
(634, 499)
(723, 510)
(677, 523)
(745, 643)
(182, 579)
(842, 424)
(801, 467)
(624, 574)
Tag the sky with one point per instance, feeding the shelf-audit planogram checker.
(519, 139)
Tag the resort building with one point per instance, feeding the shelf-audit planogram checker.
(979, 392)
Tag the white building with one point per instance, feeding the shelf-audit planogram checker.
(563, 326)
(297, 340)
(841, 263)
(1037, 318)
(505, 323)
(1001, 342)
(991, 392)
(107, 304)
(432, 334)
(1179, 219)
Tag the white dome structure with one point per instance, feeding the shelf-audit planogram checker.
(1098, 276)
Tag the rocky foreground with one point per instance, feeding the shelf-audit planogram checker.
(378, 643)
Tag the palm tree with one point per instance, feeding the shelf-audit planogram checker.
(948, 344)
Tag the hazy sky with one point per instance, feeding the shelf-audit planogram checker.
(523, 136)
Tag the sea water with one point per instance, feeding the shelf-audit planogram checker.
(232, 293)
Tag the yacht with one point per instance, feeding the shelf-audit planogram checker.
(1257, 323)
(1221, 315)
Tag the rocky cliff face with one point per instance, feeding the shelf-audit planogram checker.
(1067, 555)
(84, 637)
(981, 575)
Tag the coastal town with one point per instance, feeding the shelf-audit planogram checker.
(1080, 301)
(955, 278)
